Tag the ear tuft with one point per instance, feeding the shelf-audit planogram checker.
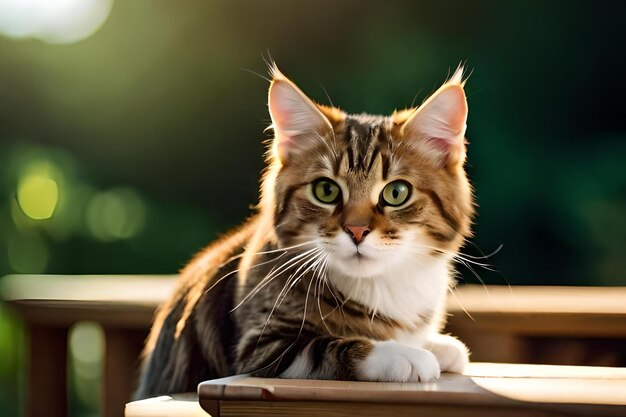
(457, 77)
(296, 120)
(274, 72)
(437, 127)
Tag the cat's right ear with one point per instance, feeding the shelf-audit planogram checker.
(437, 127)
(296, 120)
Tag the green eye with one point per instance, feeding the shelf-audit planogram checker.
(396, 193)
(326, 191)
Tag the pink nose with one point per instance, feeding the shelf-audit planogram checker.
(357, 233)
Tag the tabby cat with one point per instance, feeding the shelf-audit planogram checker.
(344, 271)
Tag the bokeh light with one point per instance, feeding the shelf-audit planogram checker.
(53, 21)
(86, 346)
(38, 196)
(115, 214)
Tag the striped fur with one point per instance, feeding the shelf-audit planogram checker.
(291, 293)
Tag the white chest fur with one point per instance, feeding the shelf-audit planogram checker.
(407, 293)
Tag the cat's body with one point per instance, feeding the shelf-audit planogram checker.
(344, 271)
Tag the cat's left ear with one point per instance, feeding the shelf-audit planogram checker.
(437, 127)
(296, 119)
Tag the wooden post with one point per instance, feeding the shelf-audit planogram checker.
(121, 365)
(47, 362)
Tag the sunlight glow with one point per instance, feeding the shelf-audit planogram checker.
(53, 21)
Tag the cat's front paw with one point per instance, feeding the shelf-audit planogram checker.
(393, 362)
(451, 353)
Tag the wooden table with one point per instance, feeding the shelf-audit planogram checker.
(522, 324)
(486, 389)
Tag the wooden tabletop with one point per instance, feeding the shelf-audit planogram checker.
(505, 389)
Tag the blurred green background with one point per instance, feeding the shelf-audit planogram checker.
(128, 144)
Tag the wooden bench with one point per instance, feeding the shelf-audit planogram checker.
(501, 324)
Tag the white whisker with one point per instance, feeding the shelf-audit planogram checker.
(291, 281)
(237, 270)
(451, 290)
(232, 258)
(273, 274)
(267, 252)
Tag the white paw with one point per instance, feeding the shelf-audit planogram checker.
(393, 362)
(450, 352)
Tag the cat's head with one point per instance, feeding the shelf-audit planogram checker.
(369, 191)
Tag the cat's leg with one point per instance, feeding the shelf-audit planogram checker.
(451, 353)
(329, 357)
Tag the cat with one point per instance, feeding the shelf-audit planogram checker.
(344, 270)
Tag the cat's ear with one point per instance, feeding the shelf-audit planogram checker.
(437, 127)
(296, 119)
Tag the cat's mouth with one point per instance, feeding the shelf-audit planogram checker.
(359, 257)
(358, 253)
(361, 253)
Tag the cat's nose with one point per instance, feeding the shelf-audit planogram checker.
(357, 233)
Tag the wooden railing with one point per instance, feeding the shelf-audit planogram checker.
(557, 325)
(50, 305)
